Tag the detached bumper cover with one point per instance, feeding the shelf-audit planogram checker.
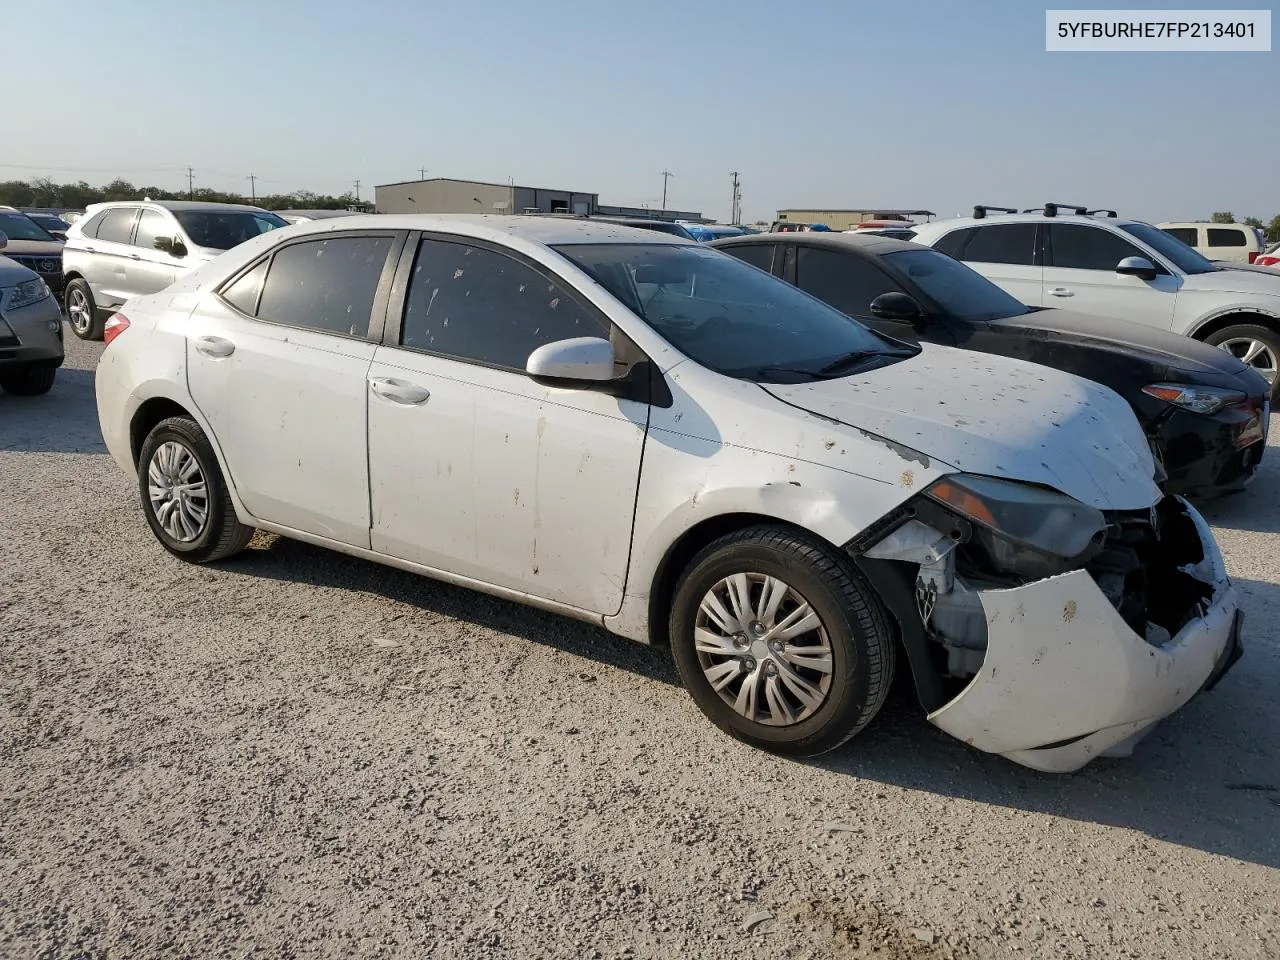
(1065, 679)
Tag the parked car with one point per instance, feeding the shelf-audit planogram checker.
(642, 223)
(306, 216)
(1205, 411)
(1220, 242)
(789, 226)
(895, 233)
(131, 248)
(1270, 257)
(32, 246)
(706, 232)
(30, 329)
(52, 224)
(1108, 266)
(649, 435)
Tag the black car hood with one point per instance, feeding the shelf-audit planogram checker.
(1158, 347)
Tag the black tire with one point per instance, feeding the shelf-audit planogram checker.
(85, 323)
(222, 534)
(28, 383)
(1251, 331)
(862, 644)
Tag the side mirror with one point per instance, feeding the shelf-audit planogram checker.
(171, 245)
(896, 306)
(1137, 267)
(4, 240)
(581, 360)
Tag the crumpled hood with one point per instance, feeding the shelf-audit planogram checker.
(996, 416)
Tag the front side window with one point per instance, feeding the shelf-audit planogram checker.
(846, 281)
(728, 316)
(1012, 243)
(222, 230)
(1227, 238)
(1080, 247)
(1179, 254)
(326, 285)
(475, 304)
(152, 224)
(958, 290)
(116, 225)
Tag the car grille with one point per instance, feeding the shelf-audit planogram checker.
(45, 266)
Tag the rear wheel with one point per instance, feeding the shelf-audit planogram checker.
(184, 496)
(82, 312)
(780, 641)
(28, 383)
(1256, 345)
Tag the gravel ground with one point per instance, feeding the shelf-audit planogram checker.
(298, 754)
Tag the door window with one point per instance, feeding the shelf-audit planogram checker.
(1079, 247)
(757, 254)
(1227, 238)
(475, 304)
(953, 243)
(1186, 234)
(326, 285)
(243, 293)
(1013, 243)
(152, 224)
(116, 225)
(845, 281)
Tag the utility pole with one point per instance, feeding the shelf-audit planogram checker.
(357, 184)
(253, 189)
(666, 175)
(191, 190)
(422, 173)
(735, 214)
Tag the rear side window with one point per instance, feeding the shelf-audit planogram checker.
(1227, 238)
(1186, 234)
(325, 285)
(1013, 243)
(842, 280)
(116, 225)
(757, 254)
(90, 227)
(1078, 247)
(475, 304)
(953, 243)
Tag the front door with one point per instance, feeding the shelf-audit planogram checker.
(150, 269)
(277, 363)
(1080, 274)
(477, 470)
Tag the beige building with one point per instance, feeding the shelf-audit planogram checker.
(847, 219)
(443, 195)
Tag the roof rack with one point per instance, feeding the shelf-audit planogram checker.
(1109, 213)
(1051, 209)
(982, 210)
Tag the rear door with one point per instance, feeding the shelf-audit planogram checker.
(1007, 254)
(276, 363)
(108, 254)
(150, 269)
(1080, 274)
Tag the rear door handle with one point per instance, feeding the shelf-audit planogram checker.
(1061, 292)
(215, 347)
(399, 391)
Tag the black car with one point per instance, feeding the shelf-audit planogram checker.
(1204, 410)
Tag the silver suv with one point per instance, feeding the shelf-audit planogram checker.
(133, 248)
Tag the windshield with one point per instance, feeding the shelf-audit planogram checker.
(49, 221)
(223, 230)
(1171, 248)
(728, 315)
(958, 290)
(18, 226)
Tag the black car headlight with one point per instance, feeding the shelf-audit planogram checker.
(1021, 515)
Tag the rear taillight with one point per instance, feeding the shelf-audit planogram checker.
(1267, 260)
(1253, 256)
(116, 324)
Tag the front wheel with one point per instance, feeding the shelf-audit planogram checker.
(28, 383)
(780, 641)
(82, 311)
(1255, 345)
(184, 496)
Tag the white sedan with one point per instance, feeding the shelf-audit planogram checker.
(637, 431)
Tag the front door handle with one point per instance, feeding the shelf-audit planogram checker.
(215, 347)
(134, 256)
(399, 391)
(1061, 292)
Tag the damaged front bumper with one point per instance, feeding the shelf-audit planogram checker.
(1065, 679)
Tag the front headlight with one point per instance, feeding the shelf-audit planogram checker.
(24, 294)
(1022, 514)
(1206, 400)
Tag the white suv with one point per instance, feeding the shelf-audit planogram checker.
(1113, 267)
(1224, 243)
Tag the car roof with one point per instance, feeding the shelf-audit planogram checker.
(175, 205)
(939, 226)
(873, 244)
(538, 229)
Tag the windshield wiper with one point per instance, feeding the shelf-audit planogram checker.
(811, 374)
(848, 360)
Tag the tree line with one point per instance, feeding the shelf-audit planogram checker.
(43, 192)
(1272, 229)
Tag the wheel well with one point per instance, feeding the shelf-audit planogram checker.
(148, 415)
(1232, 319)
(678, 557)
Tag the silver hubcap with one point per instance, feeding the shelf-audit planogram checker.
(763, 649)
(1253, 352)
(78, 310)
(176, 487)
